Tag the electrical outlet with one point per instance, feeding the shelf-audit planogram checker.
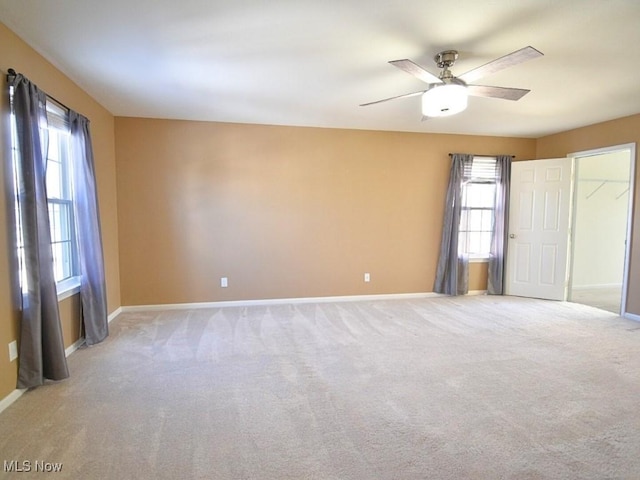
(13, 351)
(367, 277)
(224, 282)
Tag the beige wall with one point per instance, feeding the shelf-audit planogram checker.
(615, 132)
(14, 53)
(478, 272)
(282, 211)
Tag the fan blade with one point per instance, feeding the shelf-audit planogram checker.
(513, 58)
(504, 93)
(415, 70)
(393, 98)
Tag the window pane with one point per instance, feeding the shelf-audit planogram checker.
(59, 193)
(464, 219)
(65, 262)
(489, 196)
(463, 242)
(487, 220)
(473, 245)
(54, 147)
(480, 195)
(60, 221)
(474, 195)
(54, 222)
(65, 221)
(58, 185)
(485, 242)
(54, 182)
(56, 249)
(471, 194)
(475, 220)
(62, 265)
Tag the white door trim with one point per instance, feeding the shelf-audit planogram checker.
(632, 177)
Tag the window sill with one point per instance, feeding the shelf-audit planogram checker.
(478, 260)
(68, 288)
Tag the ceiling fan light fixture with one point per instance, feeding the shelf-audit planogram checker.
(442, 100)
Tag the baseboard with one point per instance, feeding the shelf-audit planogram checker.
(12, 397)
(114, 314)
(277, 301)
(632, 316)
(77, 344)
(477, 292)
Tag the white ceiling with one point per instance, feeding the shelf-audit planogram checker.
(312, 62)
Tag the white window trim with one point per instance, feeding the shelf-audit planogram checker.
(68, 287)
(480, 257)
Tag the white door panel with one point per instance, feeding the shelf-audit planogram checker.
(539, 219)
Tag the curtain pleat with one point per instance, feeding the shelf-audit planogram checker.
(499, 241)
(41, 354)
(452, 274)
(90, 254)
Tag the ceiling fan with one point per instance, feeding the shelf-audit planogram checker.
(447, 94)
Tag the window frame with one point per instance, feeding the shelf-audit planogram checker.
(57, 125)
(466, 209)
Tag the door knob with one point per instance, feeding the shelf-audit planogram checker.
(512, 235)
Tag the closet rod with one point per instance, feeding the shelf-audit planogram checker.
(602, 180)
(622, 193)
(597, 188)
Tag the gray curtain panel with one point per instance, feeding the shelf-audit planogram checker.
(41, 353)
(90, 256)
(499, 241)
(452, 275)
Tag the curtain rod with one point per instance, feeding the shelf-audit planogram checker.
(11, 74)
(482, 155)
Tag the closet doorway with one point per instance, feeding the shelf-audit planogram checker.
(601, 225)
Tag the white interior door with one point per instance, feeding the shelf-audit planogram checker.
(539, 220)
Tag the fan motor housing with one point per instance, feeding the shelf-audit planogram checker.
(446, 59)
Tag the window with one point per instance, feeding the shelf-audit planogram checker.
(59, 194)
(59, 199)
(478, 208)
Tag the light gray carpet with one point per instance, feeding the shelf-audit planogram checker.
(605, 298)
(441, 388)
